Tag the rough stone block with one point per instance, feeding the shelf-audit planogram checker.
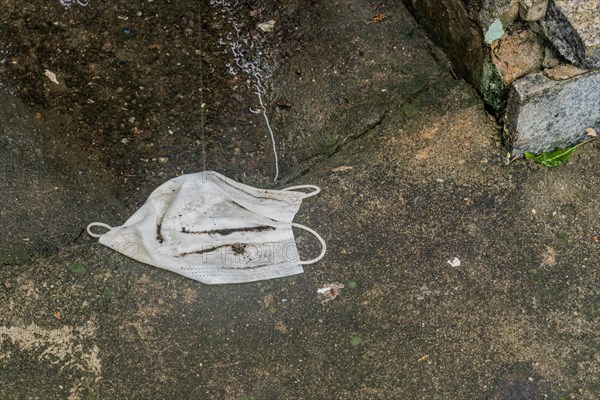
(517, 54)
(564, 71)
(545, 114)
(503, 10)
(551, 58)
(533, 10)
(573, 27)
(450, 27)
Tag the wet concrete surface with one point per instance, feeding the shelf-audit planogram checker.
(517, 319)
(47, 193)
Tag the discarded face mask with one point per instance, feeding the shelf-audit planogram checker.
(212, 229)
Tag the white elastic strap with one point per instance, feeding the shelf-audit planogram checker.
(309, 194)
(100, 224)
(315, 234)
(264, 113)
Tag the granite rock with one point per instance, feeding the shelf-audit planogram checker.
(573, 27)
(551, 58)
(545, 114)
(564, 71)
(533, 10)
(517, 54)
(506, 11)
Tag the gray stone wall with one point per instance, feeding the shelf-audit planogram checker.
(523, 46)
(449, 25)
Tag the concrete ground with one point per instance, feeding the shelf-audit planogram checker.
(412, 175)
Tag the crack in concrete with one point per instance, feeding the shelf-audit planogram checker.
(317, 160)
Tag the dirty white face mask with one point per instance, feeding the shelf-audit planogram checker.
(212, 229)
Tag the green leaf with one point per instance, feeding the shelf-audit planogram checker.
(553, 158)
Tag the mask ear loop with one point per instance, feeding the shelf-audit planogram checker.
(100, 224)
(316, 189)
(315, 234)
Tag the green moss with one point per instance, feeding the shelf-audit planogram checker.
(410, 109)
(562, 238)
(13, 257)
(492, 86)
(76, 268)
(591, 312)
(329, 144)
(355, 340)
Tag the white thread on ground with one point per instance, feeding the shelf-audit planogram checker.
(271, 133)
(255, 67)
(69, 3)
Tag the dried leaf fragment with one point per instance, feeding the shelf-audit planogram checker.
(283, 102)
(266, 26)
(342, 168)
(379, 18)
(330, 291)
(591, 132)
(51, 75)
